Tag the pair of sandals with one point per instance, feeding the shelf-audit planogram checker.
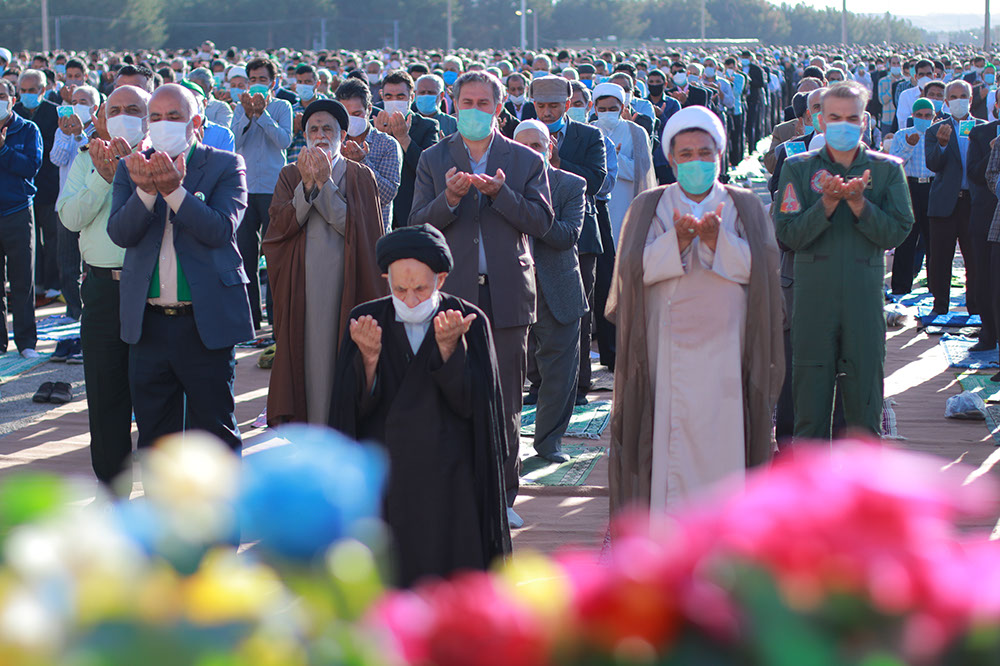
(58, 393)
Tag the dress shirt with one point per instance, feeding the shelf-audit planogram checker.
(84, 206)
(385, 158)
(262, 143)
(963, 149)
(479, 168)
(913, 156)
(65, 148)
(904, 108)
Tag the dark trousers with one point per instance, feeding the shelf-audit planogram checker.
(604, 330)
(904, 264)
(511, 346)
(588, 271)
(738, 143)
(46, 256)
(105, 370)
(68, 254)
(983, 285)
(994, 280)
(248, 237)
(553, 359)
(942, 234)
(17, 255)
(169, 362)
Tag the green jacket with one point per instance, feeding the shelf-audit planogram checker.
(844, 240)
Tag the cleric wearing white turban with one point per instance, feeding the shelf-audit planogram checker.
(632, 146)
(697, 280)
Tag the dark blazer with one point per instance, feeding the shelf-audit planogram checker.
(947, 167)
(557, 266)
(698, 96)
(582, 153)
(984, 200)
(756, 80)
(46, 118)
(424, 133)
(522, 208)
(205, 242)
(287, 95)
(527, 111)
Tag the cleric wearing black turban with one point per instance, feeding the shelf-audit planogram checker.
(418, 375)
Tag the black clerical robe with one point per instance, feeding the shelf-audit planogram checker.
(441, 426)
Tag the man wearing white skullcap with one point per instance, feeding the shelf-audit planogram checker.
(554, 339)
(697, 283)
(635, 158)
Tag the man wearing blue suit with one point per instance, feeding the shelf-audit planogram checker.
(946, 148)
(175, 209)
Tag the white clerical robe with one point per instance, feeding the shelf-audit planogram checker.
(695, 316)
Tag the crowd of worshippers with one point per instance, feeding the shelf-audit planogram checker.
(438, 239)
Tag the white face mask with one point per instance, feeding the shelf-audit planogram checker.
(515, 99)
(126, 127)
(396, 106)
(395, 64)
(306, 92)
(373, 78)
(959, 108)
(83, 111)
(170, 137)
(608, 120)
(4, 110)
(419, 314)
(680, 78)
(356, 126)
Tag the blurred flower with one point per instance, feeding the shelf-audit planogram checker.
(229, 588)
(299, 498)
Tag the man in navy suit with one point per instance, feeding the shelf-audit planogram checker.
(984, 204)
(175, 209)
(946, 147)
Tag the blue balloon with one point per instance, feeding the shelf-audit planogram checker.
(298, 499)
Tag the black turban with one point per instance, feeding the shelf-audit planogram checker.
(331, 106)
(424, 243)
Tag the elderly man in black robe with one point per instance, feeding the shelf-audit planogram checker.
(418, 375)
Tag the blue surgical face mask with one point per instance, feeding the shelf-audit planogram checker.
(558, 125)
(696, 177)
(450, 77)
(843, 136)
(938, 105)
(588, 82)
(989, 79)
(30, 100)
(709, 72)
(60, 69)
(745, 62)
(577, 114)
(807, 130)
(474, 125)
(427, 104)
(922, 124)
(896, 70)
(306, 92)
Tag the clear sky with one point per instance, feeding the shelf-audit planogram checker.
(901, 7)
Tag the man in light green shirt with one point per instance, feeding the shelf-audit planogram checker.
(84, 205)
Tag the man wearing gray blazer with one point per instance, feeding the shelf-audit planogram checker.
(175, 209)
(487, 194)
(556, 333)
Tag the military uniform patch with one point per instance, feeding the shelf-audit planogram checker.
(816, 182)
(790, 202)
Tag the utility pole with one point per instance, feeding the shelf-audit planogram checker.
(524, 25)
(322, 33)
(45, 26)
(451, 42)
(535, 22)
(58, 39)
(395, 34)
(702, 20)
(987, 30)
(843, 24)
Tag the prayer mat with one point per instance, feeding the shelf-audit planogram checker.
(588, 421)
(889, 428)
(536, 471)
(13, 364)
(259, 343)
(950, 319)
(992, 415)
(956, 351)
(601, 379)
(980, 384)
(53, 321)
(59, 333)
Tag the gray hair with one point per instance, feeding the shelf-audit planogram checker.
(90, 92)
(435, 79)
(478, 77)
(36, 74)
(202, 77)
(578, 87)
(847, 90)
(961, 83)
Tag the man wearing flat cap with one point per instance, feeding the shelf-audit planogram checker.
(697, 283)
(320, 249)
(488, 194)
(418, 375)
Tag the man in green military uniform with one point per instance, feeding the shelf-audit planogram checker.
(839, 208)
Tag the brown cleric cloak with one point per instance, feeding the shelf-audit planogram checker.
(631, 454)
(285, 249)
